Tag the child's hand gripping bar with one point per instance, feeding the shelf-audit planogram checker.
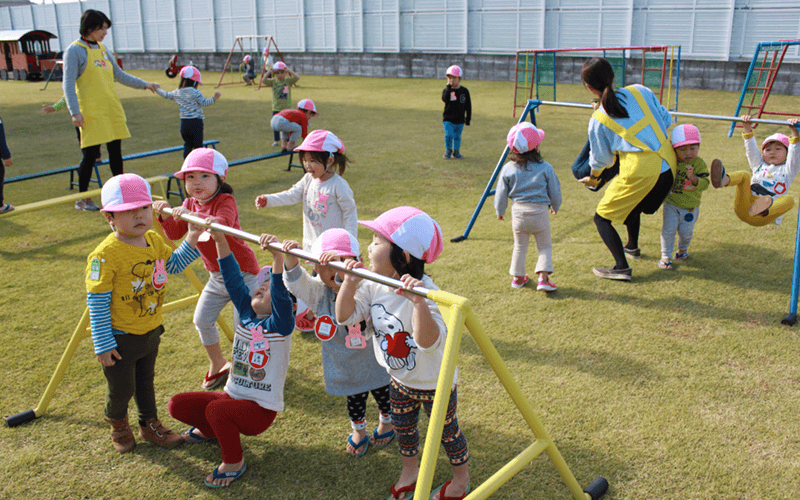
(300, 254)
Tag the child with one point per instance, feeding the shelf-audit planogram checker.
(457, 112)
(533, 185)
(293, 123)
(190, 103)
(326, 197)
(682, 206)
(774, 169)
(207, 195)
(350, 369)
(409, 338)
(126, 278)
(254, 392)
(249, 72)
(5, 156)
(281, 91)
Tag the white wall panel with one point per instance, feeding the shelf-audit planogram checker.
(5, 19)
(195, 25)
(127, 25)
(320, 25)
(22, 17)
(158, 20)
(69, 23)
(44, 18)
(381, 25)
(283, 20)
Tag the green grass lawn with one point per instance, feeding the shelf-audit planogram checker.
(681, 384)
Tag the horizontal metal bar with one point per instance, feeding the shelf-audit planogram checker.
(300, 254)
(673, 113)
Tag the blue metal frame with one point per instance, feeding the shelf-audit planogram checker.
(768, 45)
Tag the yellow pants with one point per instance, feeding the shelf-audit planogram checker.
(638, 174)
(744, 198)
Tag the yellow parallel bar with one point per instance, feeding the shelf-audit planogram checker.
(508, 471)
(433, 438)
(514, 391)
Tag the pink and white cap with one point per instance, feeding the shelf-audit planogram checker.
(321, 140)
(685, 134)
(336, 240)
(191, 73)
(247, 58)
(264, 275)
(782, 138)
(411, 229)
(454, 70)
(125, 192)
(524, 137)
(306, 104)
(204, 160)
(278, 66)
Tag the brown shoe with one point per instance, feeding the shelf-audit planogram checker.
(760, 207)
(155, 432)
(121, 435)
(717, 174)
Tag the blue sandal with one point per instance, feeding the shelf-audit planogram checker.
(680, 257)
(6, 208)
(375, 436)
(190, 437)
(364, 442)
(232, 475)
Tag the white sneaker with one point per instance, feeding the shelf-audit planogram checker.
(276, 144)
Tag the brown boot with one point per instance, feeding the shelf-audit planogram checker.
(121, 435)
(154, 431)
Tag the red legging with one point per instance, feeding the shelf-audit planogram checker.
(216, 414)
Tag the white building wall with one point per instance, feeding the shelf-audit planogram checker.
(706, 29)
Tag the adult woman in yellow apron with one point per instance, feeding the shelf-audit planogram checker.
(88, 84)
(632, 124)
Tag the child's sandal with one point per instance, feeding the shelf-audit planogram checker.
(665, 264)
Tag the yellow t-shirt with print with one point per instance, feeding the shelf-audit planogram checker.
(136, 277)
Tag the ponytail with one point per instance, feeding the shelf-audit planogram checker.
(598, 74)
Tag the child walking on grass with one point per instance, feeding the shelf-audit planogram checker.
(126, 278)
(774, 168)
(280, 78)
(533, 185)
(190, 103)
(682, 206)
(457, 112)
(350, 368)
(409, 338)
(254, 392)
(5, 161)
(208, 195)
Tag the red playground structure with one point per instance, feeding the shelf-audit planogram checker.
(26, 54)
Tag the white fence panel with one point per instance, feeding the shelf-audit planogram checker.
(5, 19)
(196, 25)
(349, 31)
(22, 17)
(126, 22)
(44, 18)
(158, 19)
(320, 25)
(755, 25)
(382, 26)
(283, 20)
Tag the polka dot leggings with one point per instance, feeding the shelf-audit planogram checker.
(357, 407)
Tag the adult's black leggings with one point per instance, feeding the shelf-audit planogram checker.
(90, 156)
(649, 205)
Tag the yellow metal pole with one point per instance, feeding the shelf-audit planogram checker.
(452, 345)
(77, 335)
(514, 391)
(508, 471)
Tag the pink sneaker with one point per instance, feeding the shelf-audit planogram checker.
(517, 283)
(547, 286)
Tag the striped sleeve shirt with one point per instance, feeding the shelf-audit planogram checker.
(100, 303)
(190, 101)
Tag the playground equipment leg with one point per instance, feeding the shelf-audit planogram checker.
(791, 318)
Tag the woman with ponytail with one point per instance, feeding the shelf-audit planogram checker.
(631, 123)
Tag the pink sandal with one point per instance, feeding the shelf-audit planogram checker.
(217, 379)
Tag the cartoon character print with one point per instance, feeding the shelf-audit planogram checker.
(145, 297)
(773, 181)
(318, 209)
(398, 346)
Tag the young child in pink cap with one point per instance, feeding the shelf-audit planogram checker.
(409, 338)
(126, 279)
(774, 168)
(457, 112)
(254, 393)
(208, 195)
(350, 368)
(249, 73)
(682, 206)
(533, 185)
(292, 124)
(190, 103)
(280, 78)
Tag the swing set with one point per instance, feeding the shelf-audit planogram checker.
(256, 54)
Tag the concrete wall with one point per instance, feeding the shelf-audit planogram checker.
(708, 75)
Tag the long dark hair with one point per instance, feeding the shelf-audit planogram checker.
(224, 187)
(598, 74)
(92, 20)
(187, 82)
(414, 267)
(339, 159)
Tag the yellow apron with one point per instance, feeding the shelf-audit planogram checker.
(638, 172)
(104, 118)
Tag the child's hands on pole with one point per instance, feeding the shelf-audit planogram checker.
(793, 126)
(291, 260)
(160, 205)
(748, 127)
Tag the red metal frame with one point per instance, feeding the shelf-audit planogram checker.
(534, 52)
(766, 90)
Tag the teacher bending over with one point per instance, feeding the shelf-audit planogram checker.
(631, 123)
(89, 74)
